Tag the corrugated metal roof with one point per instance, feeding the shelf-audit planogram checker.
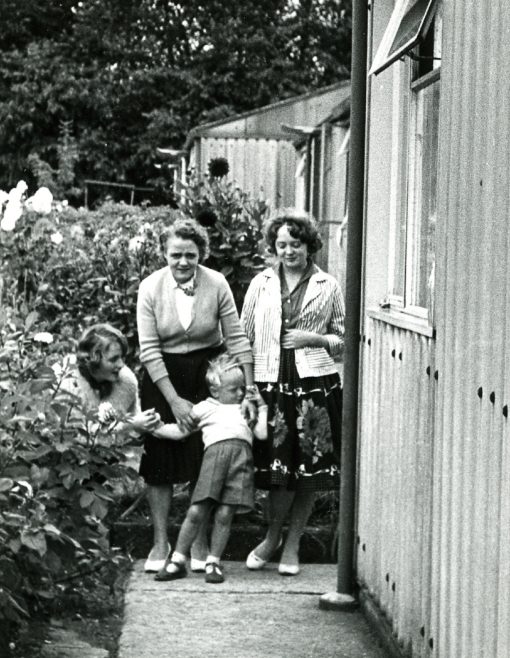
(266, 121)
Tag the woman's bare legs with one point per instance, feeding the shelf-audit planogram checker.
(298, 506)
(160, 498)
(300, 512)
(280, 502)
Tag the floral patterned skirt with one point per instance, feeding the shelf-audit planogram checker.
(304, 429)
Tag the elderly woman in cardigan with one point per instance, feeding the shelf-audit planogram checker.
(293, 315)
(186, 316)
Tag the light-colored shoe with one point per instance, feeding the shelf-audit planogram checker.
(255, 563)
(288, 569)
(153, 566)
(197, 566)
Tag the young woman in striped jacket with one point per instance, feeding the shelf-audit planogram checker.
(293, 315)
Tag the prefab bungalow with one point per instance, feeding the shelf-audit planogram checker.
(292, 153)
(433, 502)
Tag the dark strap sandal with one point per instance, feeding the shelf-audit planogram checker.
(179, 571)
(213, 573)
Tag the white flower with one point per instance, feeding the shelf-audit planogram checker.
(136, 243)
(105, 412)
(56, 237)
(41, 201)
(13, 212)
(43, 337)
(14, 198)
(68, 361)
(21, 187)
(57, 369)
(77, 231)
(27, 486)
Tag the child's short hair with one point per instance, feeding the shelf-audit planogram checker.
(218, 366)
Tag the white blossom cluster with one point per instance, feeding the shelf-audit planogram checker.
(12, 204)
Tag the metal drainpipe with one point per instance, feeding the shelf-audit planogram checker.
(346, 521)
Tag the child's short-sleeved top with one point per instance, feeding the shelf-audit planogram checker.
(220, 422)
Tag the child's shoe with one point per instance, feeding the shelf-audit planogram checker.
(213, 573)
(172, 571)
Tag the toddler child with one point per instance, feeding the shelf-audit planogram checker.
(226, 476)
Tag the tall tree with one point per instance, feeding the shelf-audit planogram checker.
(131, 74)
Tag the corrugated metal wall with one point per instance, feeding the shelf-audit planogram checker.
(395, 475)
(434, 461)
(471, 557)
(261, 167)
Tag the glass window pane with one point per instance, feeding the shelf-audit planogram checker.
(423, 198)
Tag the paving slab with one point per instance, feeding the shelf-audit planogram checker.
(252, 614)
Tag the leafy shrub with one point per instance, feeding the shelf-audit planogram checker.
(58, 463)
(234, 223)
(78, 267)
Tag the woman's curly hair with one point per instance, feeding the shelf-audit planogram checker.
(301, 225)
(187, 229)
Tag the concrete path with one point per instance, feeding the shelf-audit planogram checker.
(252, 614)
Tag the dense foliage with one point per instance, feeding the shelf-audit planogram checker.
(62, 269)
(130, 75)
(234, 222)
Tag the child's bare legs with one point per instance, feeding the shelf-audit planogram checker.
(160, 498)
(192, 525)
(200, 547)
(221, 531)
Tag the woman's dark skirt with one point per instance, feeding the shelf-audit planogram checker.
(166, 462)
(302, 452)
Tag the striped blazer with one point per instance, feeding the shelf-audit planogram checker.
(322, 312)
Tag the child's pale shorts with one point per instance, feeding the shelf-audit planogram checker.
(226, 475)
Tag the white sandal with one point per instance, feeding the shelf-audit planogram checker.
(153, 566)
(255, 563)
(288, 569)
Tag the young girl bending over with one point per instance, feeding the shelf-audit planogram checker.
(226, 475)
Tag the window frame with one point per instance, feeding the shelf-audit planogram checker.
(405, 260)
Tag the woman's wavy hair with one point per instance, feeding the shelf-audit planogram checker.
(218, 366)
(93, 343)
(187, 229)
(301, 225)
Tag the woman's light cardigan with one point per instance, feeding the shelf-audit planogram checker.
(214, 320)
(322, 312)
